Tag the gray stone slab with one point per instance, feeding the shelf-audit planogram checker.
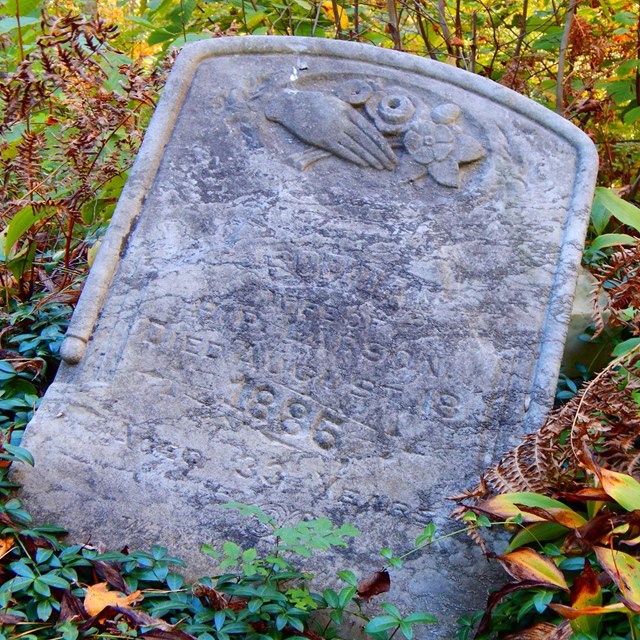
(344, 285)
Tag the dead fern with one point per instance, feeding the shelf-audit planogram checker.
(602, 421)
(619, 279)
(72, 116)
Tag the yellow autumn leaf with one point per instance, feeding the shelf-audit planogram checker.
(91, 253)
(327, 7)
(624, 570)
(624, 489)
(98, 597)
(573, 614)
(527, 564)
(6, 544)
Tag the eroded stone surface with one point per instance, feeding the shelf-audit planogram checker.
(344, 295)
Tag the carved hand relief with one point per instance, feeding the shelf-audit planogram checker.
(383, 128)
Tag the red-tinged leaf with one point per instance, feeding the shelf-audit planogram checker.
(527, 564)
(172, 634)
(573, 614)
(565, 517)
(10, 619)
(598, 530)
(111, 575)
(586, 594)
(632, 542)
(374, 585)
(496, 596)
(71, 608)
(506, 506)
(212, 598)
(6, 544)
(588, 494)
(137, 618)
(624, 570)
(585, 590)
(98, 597)
(624, 489)
(33, 544)
(143, 619)
(562, 632)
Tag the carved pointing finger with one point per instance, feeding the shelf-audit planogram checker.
(372, 149)
(361, 145)
(346, 153)
(386, 154)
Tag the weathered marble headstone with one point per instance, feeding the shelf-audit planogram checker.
(337, 284)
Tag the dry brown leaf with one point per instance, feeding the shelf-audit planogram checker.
(539, 631)
(6, 544)
(10, 619)
(98, 597)
(603, 424)
(374, 585)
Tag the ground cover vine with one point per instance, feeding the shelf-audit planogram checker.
(76, 94)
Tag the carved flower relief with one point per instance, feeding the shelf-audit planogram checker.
(437, 142)
(391, 113)
(433, 138)
(355, 92)
(382, 121)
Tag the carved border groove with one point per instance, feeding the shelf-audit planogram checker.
(161, 129)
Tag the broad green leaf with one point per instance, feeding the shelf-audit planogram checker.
(331, 598)
(236, 627)
(381, 623)
(536, 532)
(44, 610)
(600, 216)
(624, 489)
(624, 570)
(505, 506)
(21, 222)
(612, 240)
(19, 453)
(625, 17)
(420, 617)
(527, 564)
(10, 7)
(391, 609)
(621, 209)
(632, 116)
(349, 577)
(11, 24)
(21, 569)
(42, 588)
(628, 66)
(406, 629)
(625, 347)
(346, 595)
(54, 581)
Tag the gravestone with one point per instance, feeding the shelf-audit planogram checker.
(337, 284)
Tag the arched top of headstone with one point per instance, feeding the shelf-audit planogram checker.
(337, 284)
(425, 145)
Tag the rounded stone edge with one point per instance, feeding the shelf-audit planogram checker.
(161, 128)
(141, 176)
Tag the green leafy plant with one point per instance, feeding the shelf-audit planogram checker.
(51, 590)
(571, 561)
(72, 113)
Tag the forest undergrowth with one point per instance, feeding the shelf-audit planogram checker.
(78, 84)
